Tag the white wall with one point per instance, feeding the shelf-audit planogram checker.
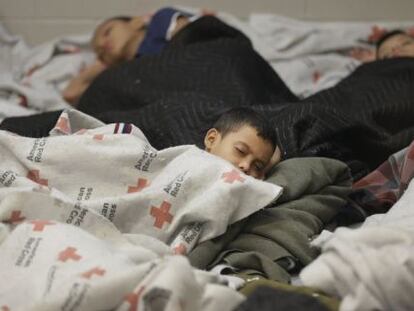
(40, 20)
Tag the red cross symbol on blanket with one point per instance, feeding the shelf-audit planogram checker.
(232, 176)
(5, 308)
(98, 137)
(39, 225)
(180, 249)
(63, 125)
(316, 76)
(161, 214)
(15, 217)
(132, 299)
(141, 184)
(95, 271)
(35, 176)
(69, 253)
(23, 101)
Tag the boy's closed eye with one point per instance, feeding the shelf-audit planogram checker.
(240, 150)
(107, 31)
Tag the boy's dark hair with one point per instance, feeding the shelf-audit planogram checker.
(388, 35)
(122, 18)
(235, 118)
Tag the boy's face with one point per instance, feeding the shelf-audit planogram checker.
(111, 39)
(399, 45)
(243, 148)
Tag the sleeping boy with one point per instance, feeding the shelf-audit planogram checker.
(124, 38)
(396, 43)
(246, 139)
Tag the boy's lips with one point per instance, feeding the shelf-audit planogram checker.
(107, 46)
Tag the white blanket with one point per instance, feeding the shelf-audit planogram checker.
(372, 267)
(312, 56)
(31, 79)
(91, 219)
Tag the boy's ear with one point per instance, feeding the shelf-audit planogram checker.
(138, 22)
(211, 136)
(275, 159)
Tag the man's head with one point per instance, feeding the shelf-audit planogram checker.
(246, 139)
(116, 39)
(396, 43)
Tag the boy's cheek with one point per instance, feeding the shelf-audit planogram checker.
(405, 51)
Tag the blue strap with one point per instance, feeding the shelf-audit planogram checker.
(155, 37)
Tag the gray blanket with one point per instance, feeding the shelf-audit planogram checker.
(275, 241)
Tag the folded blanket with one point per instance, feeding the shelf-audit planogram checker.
(275, 240)
(108, 181)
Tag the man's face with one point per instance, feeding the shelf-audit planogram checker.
(400, 45)
(243, 148)
(111, 39)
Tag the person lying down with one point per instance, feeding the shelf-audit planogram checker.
(112, 169)
(396, 43)
(109, 180)
(123, 38)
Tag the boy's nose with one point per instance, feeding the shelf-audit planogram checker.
(244, 166)
(102, 43)
(396, 51)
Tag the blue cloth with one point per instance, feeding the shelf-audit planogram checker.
(156, 35)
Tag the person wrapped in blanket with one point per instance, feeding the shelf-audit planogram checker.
(392, 44)
(261, 252)
(396, 43)
(263, 249)
(246, 139)
(123, 38)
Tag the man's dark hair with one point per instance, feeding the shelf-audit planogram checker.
(235, 118)
(388, 35)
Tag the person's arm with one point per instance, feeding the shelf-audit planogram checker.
(80, 83)
(182, 21)
(364, 55)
